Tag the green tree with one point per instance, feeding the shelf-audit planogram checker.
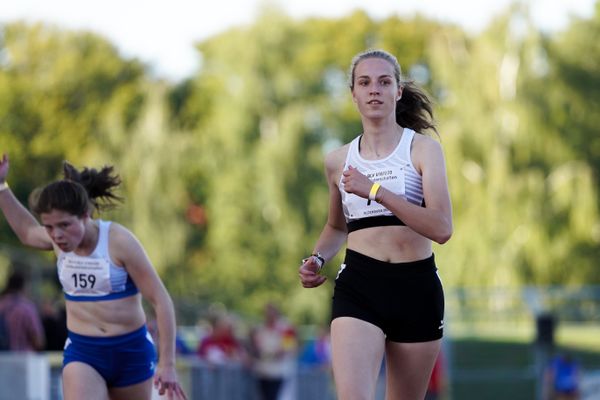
(526, 206)
(56, 87)
(276, 99)
(223, 173)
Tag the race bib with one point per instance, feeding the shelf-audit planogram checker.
(82, 276)
(391, 178)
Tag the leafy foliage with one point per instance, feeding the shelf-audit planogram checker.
(223, 173)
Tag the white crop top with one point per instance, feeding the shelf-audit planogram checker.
(95, 277)
(396, 173)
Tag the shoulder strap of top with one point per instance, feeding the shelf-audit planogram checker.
(405, 145)
(354, 149)
(103, 230)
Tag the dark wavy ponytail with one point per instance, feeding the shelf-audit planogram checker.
(79, 192)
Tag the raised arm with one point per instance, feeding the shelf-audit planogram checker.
(23, 224)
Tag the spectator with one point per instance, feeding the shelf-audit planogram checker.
(437, 380)
(221, 346)
(274, 346)
(181, 346)
(316, 352)
(562, 378)
(20, 317)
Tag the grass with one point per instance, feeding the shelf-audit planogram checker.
(498, 361)
(491, 369)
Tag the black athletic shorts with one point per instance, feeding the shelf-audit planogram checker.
(405, 300)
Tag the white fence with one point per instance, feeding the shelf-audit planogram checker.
(24, 376)
(590, 386)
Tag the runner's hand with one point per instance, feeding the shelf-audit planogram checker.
(165, 381)
(309, 273)
(356, 182)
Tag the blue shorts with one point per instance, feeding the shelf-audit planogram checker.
(122, 360)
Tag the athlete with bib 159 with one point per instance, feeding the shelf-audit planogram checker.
(104, 271)
(388, 201)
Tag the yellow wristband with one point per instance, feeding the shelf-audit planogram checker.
(4, 186)
(374, 190)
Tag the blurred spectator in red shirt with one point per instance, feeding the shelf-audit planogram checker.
(221, 346)
(437, 380)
